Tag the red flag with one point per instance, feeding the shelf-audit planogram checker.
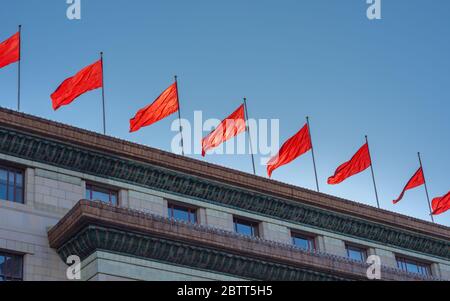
(90, 78)
(416, 180)
(358, 163)
(10, 50)
(441, 205)
(232, 126)
(293, 148)
(165, 105)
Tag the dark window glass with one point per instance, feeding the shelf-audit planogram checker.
(11, 267)
(3, 183)
(11, 184)
(105, 195)
(245, 227)
(303, 241)
(356, 253)
(182, 213)
(413, 266)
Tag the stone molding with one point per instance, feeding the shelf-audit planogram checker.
(92, 226)
(104, 165)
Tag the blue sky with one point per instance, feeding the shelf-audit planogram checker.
(388, 78)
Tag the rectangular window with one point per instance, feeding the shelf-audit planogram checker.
(182, 213)
(96, 193)
(356, 253)
(11, 184)
(413, 266)
(11, 267)
(305, 242)
(246, 227)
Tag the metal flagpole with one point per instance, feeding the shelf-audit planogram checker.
(426, 188)
(18, 68)
(103, 96)
(312, 152)
(179, 117)
(249, 135)
(373, 174)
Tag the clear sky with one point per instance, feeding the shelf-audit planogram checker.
(387, 78)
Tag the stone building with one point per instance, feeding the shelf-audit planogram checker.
(130, 212)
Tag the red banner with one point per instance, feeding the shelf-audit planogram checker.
(416, 180)
(10, 50)
(358, 163)
(165, 105)
(90, 78)
(441, 205)
(293, 148)
(232, 126)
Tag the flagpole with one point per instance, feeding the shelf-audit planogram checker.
(103, 96)
(426, 188)
(312, 152)
(179, 117)
(249, 135)
(373, 174)
(18, 68)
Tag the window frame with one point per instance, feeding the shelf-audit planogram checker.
(403, 261)
(89, 186)
(16, 256)
(171, 206)
(248, 222)
(358, 248)
(15, 170)
(310, 238)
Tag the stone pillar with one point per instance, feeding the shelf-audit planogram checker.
(387, 257)
(274, 232)
(441, 271)
(29, 187)
(123, 198)
(219, 219)
(320, 243)
(165, 212)
(147, 202)
(201, 216)
(333, 246)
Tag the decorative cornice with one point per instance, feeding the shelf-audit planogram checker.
(92, 226)
(125, 149)
(101, 164)
(94, 238)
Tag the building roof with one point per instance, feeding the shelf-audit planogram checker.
(125, 149)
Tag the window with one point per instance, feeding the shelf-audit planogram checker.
(302, 241)
(356, 253)
(246, 227)
(413, 266)
(11, 267)
(182, 213)
(11, 184)
(96, 193)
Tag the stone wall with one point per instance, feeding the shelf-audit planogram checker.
(50, 192)
(104, 266)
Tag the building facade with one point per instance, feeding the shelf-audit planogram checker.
(130, 212)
